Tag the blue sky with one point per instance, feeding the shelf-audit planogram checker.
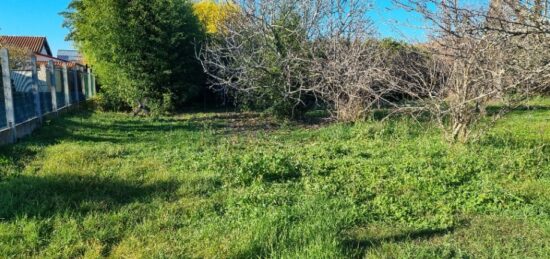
(397, 23)
(35, 18)
(41, 18)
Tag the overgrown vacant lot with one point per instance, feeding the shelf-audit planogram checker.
(243, 185)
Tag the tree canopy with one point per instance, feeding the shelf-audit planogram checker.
(143, 51)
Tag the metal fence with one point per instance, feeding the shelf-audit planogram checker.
(30, 93)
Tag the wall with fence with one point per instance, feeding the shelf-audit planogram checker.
(29, 94)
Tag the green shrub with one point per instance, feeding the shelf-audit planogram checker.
(140, 50)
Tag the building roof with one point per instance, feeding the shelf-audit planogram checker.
(68, 50)
(70, 55)
(59, 64)
(34, 44)
(57, 61)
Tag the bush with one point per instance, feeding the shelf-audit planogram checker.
(141, 50)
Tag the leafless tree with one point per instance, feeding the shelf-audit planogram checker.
(298, 51)
(349, 77)
(478, 56)
(324, 51)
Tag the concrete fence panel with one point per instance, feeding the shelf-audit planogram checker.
(30, 93)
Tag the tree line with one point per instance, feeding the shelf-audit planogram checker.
(289, 57)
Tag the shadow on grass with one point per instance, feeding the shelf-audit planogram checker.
(52, 132)
(358, 246)
(77, 126)
(137, 130)
(43, 197)
(124, 132)
(492, 110)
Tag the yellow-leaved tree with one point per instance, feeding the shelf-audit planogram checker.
(212, 13)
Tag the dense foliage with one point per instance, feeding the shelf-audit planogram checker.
(143, 51)
(229, 185)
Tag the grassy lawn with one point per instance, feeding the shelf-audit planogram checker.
(207, 185)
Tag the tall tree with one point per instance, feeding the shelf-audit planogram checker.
(142, 50)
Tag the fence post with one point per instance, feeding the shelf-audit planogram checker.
(35, 92)
(83, 84)
(51, 85)
(44, 70)
(8, 97)
(90, 82)
(75, 85)
(66, 85)
(94, 86)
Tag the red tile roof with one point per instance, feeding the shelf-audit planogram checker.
(34, 44)
(60, 64)
(57, 62)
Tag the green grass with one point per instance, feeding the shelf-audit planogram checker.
(209, 185)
